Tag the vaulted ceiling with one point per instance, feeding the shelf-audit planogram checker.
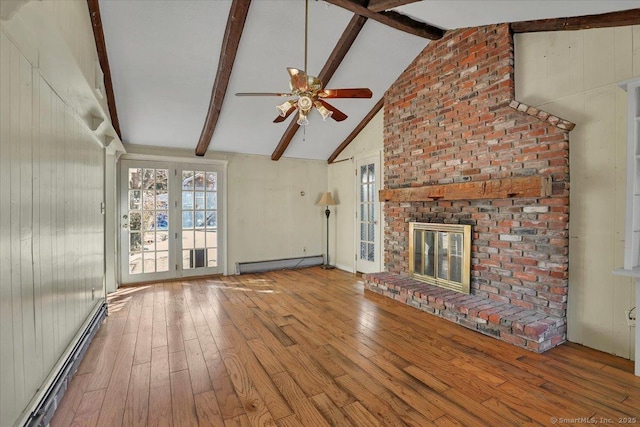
(164, 59)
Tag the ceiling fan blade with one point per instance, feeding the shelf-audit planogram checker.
(280, 119)
(298, 79)
(362, 92)
(264, 94)
(337, 115)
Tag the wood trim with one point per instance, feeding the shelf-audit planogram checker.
(357, 130)
(101, 48)
(381, 5)
(393, 19)
(335, 59)
(612, 19)
(232, 34)
(505, 188)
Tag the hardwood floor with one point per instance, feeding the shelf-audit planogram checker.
(307, 348)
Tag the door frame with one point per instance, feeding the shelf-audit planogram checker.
(356, 200)
(179, 162)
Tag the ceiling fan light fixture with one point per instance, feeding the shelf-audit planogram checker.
(283, 108)
(305, 103)
(302, 118)
(324, 112)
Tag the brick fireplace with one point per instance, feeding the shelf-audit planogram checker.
(451, 122)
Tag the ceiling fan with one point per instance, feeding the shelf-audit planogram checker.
(309, 92)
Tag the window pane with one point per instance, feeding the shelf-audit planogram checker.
(199, 200)
(199, 219)
(149, 241)
(363, 231)
(187, 200)
(134, 221)
(371, 213)
(135, 178)
(135, 263)
(370, 252)
(363, 173)
(162, 261)
(162, 241)
(187, 219)
(212, 257)
(212, 219)
(148, 179)
(212, 200)
(187, 180)
(148, 200)
(134, 200)
(363, 250)
(185, 259)
(187, 239)
(135, 242)
(148, 221)
(212, 239)
(162, 179)
(199, 179)
(200, 239)
(371, 232)
(212, 184)
(149, 262)
(371, 173)
(162, 220)
(162, 200)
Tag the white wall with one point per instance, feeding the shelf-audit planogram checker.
(51, 226)
(267, 217)
(574, 74)
(342, 185)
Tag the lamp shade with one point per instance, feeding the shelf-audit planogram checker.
(326, 199)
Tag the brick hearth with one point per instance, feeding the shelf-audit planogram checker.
(530, 329)
(451, 117)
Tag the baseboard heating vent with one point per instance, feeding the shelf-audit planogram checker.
(46, 406)
(278, 264)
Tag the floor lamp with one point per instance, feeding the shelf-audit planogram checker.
(327, 200)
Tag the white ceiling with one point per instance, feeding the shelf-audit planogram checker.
(164, 55)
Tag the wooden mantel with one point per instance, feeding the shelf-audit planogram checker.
(534, 186)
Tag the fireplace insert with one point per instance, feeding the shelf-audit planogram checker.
(440, 254)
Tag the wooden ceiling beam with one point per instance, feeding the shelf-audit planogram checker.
(232, 34)
(381, 5)
(392, 19)
(101, 47)
(335, 59)
(356, 131)
(612, 19)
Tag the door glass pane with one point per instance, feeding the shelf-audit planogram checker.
(443, 255)
(199, 212)
(134, 200)
(148, 212)
(417, 253)
(429, 251)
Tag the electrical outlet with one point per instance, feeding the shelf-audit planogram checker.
(631, 318)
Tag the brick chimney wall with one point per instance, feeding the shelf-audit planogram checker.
(451, 117)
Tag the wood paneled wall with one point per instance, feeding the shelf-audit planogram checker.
(575, 74)
(51, 229)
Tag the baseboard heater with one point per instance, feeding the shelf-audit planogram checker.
(45, 406)
(278, 264)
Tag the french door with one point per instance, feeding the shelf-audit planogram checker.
(368, 226)
(170, 220)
